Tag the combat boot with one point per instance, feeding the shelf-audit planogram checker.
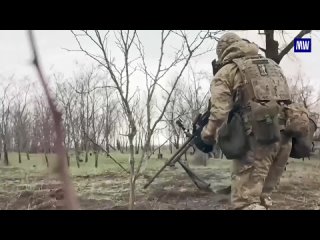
(254, 206)
(266, 201)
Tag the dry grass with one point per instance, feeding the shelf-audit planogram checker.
(30, 186)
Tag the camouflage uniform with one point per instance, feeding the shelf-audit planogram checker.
(261, 162)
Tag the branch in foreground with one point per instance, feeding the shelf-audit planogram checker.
(70, 198)
(108, 154)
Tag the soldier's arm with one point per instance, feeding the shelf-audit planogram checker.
(222, 90)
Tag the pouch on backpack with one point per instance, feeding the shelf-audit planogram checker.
(297, 123)
(232, 138)
(264, 119)
(302, 146)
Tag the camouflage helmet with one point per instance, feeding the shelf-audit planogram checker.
(225, 41)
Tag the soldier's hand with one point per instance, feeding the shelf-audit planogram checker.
(208, 133)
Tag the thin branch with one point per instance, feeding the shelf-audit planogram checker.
(70, 198)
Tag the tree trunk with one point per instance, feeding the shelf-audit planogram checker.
(160, 154)
(136, 147)
(28, 156)
(86, 160)
(177, 144)
(0, 148)
(96, 155)
(186, 159)
(132, 175)
(5, 152)
(141, 146)
(68, 158)
(147, 147)
(78, 158)
(107, 144)
(77, 152)
(19, 155)
(271, 46)
(119, 146)
(153, 145)
(46, 158)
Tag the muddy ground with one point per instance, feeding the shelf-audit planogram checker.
(173, 190)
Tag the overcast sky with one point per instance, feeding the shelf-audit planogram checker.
(15, 53)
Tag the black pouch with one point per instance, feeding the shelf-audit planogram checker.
(232, 138)
(301, 147)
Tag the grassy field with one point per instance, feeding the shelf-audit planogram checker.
(30, 185)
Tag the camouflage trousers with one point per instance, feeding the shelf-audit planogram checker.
(256, 175)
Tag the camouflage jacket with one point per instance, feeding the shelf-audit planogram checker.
(228, 79)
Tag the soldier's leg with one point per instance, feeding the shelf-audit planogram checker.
(276, 170)
(248, 178)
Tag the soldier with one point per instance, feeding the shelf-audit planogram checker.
(257, 86)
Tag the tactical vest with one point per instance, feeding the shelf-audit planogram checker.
(263, 95)
(263, 80)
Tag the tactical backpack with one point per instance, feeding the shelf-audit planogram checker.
(302, 146)
(297, 121)
(264, 93)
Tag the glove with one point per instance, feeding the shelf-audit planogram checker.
(202, 146)
(208, 133)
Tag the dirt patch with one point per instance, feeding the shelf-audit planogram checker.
(297, 195)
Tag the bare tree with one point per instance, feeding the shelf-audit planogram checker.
(195, 101)
(140, 118)
(98, 123)
(68, 98)
(110, 114)
(120, 78)
(126, 40)
(84, 88)
(176, 110)
(5, 105)
(272, 46)
(46, 127)
(302, 91)
(20, 122)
